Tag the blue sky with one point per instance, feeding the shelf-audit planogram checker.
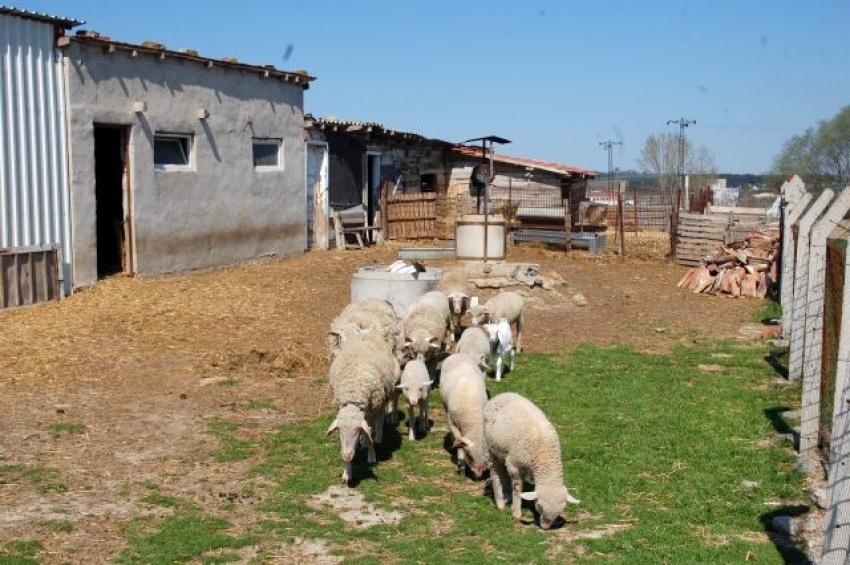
(555, 77)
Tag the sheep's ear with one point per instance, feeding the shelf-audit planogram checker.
(435, 342)
(529, 495)
(366, 429)
(571, 499)
(463, 442)
(400, 387)
(333, 427)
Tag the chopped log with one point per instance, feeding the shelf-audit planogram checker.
(685, 281)
(749, 284)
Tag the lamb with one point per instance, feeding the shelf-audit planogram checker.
(474, 341)
(362, 377)
(415, 385)
(501, 345)
(464, 396)
(365, 314)
(425, 325)
(508, 305)
(523, 443)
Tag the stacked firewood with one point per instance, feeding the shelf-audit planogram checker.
(745, 268)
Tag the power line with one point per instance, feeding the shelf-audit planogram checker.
(609, 145)
(683, 123)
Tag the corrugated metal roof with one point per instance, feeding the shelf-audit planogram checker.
(557, 168)
(41, 16)
(298, 77)
(373, 128)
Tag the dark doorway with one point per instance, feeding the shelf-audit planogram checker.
(109, 151)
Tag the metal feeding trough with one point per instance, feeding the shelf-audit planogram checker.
(399, 289)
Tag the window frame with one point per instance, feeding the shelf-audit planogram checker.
(267, 141)
(187, 144)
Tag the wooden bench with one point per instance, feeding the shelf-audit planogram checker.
(352, 230)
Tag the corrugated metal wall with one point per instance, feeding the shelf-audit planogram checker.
(34, 194)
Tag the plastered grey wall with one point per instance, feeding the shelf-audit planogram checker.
(223, 212)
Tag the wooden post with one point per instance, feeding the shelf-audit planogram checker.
(813, 341)
(801, 282)
(836, 540)
(567, 225)
(621, 224)
(791, 215)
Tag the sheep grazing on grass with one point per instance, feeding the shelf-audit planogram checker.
(464, 395)
(475, 342)
(501, 346)
(425, 326)
(508, 305)
(362, 377)
(365, 314)
(415, 385)
(523, 443)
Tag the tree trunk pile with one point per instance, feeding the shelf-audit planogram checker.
(746, 268)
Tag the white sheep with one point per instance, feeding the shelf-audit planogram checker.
(415, 385)
(425, 326)
(362, 377)
(365, 314)
(508, 305)
(474, 341)
(523, 443)
(464, 395)
(501, 346)
(458, 305)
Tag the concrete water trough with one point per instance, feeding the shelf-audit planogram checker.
(399, 289)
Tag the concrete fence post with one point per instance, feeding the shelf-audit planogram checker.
(813, 333)
(836, 543)
(792, 213)
(801, 282)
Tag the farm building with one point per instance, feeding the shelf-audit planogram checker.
(180, 162)
(35, 230)
(425, 182)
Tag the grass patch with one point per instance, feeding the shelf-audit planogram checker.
(58, 526)
(42, 478)
(57, 430)
(20, 552)
(665, 451)
(768, 310)
(231, 447)
(181, 538)
(262, 404)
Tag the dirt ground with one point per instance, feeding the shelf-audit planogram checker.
(136, 360)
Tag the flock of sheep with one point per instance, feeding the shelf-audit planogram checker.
(509, 435)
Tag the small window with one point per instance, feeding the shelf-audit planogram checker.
(267, 154)
(428, 182)
(172, 152)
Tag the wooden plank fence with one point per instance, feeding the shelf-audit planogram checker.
(699, 235)
(411, 216)
(29, 275)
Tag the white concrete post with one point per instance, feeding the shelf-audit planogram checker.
(793, 211)
(836, 543)
(813, 334)
(801, 282)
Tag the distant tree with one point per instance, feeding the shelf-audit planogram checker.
(660, 157)
(820, 156)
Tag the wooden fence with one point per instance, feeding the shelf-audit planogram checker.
(699, 235)
(411, 216)
(29, 275)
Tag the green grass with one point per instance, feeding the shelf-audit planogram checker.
(668, 450)
(57, 430)
(43, 479)
(20, 552)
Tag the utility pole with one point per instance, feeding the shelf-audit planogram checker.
(608, 146)
(683, 123)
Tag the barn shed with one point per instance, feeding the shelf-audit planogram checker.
(181, 162)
